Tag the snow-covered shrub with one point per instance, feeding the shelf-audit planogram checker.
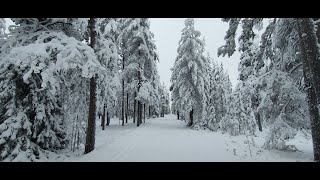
(280, 132)
(230, 125)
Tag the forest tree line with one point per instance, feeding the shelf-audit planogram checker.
(278, 82)
(58, 76)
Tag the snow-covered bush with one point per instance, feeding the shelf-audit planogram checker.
(230, 124)
(280, 132)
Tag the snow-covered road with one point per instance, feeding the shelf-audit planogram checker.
(168, 139)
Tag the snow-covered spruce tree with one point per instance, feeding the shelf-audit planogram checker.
(137, 41)
(164, 98)
(108, 56)
(214, 103)
(282, 94)
(175, 94)
(248, 66)
(220, 88)
(238, 118)
(189, 75)
(230, 122)
(30, 79)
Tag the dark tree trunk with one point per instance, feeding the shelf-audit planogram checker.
(178, 114)
(99, 115)
(90, 135)
(108, 118)
(149, 111)
(103, 117)
(191, 118)
(78, 139)
(122, 112)
(127, 109)
(162, 111)
(134, 107)
(311, 72)
(257, 115)
(138, 112)
(139, 120)
(144, 113)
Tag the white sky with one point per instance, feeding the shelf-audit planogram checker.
(167, 33)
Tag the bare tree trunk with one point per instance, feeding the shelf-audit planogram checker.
(191, 118)
(138, 119)
(90, 135)
(144, 113)
(108, 118)
(311, 71)
(72, 138)
(75, 137)
(140, 113)
(122, 112)
(78, 139)
(134, 108)
(149, 111)
(178, 114)
(103, 117)
(99, 116)
(257, 115)
(127, 109)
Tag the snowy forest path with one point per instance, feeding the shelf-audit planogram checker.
(167, 139)
(159, 139)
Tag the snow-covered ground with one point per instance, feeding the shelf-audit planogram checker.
(168, 139)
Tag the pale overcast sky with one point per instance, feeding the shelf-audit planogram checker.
(167, 33)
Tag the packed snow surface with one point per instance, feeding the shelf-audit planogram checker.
(168, 139)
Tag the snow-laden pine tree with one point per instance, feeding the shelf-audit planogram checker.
(108, 56)
(282, 96)
(164, 100)
(189, 76)
(140, 61)
(220, 88)
(31, 78)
